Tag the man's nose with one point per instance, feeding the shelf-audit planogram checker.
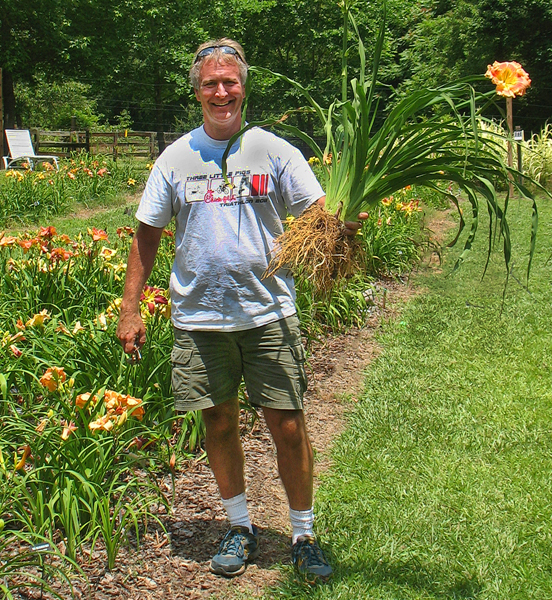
(221, 90)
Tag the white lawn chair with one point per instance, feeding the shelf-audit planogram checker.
(21, 150)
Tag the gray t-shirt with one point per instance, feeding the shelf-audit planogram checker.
(225, 234)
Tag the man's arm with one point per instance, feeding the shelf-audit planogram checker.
(351, 227)
(131, 329)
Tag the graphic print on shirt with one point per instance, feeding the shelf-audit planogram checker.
(243, 187)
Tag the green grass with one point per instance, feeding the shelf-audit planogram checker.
(441, 485)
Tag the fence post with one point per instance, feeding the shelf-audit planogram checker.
(161, 141)
(87, 140)
(115, 142)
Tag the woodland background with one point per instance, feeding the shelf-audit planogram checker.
(124, 63)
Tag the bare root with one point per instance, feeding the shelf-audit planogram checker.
(316, 248)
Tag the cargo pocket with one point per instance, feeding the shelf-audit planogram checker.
(298, 353)
(181, 372)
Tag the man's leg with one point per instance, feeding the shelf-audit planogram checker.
(225, 452)
(295, 458)
(295, 464)
(224, 448)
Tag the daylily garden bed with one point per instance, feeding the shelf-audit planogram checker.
(86, 435)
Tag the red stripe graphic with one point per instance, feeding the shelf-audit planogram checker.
(259, 185)
(255, 181)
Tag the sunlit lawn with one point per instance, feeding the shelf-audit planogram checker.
(442, 483)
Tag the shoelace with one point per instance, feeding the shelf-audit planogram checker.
(234, 543)
(310, 549)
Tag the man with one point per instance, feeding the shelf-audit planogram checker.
(228, 320)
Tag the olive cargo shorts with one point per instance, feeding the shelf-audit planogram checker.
(207, 366)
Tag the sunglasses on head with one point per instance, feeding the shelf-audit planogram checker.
(224, 49)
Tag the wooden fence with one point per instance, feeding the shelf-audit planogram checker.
(115, 143)
(140, 144)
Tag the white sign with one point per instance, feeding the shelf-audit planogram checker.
(518, 135)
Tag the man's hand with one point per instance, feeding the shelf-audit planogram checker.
(352, 227)
(131, 331)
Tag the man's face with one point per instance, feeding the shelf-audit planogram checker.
(221, 94)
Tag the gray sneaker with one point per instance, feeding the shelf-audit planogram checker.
(309, 559)
(238, 547)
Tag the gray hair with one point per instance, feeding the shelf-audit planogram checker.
(219, 56)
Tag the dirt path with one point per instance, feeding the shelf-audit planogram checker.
(176, 566)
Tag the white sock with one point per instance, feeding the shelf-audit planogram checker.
(302, 522)
(236, 509)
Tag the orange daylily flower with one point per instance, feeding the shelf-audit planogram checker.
(68, 429)
(53, 377)
(113, 400)
(97, 234)
(122, 231)
(58, 254)
(78, 327)
(509, 77)
(82, 400)
(27, 244)
(47, 232)
(15, 351)
(38, 319)
(26, 453)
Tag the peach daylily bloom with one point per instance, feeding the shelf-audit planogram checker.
(52, 378)
(106, 253)
(78, 327)
(103, 423)
(7, 240)
(40, 427)
(387, 201)
(113, 400)
(509, 77)
(68, 429)
(38, 319)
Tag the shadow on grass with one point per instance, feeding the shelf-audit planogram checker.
(403, 580)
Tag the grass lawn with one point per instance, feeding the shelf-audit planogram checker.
(442, 484)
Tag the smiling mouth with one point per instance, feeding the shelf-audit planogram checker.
(223, 105)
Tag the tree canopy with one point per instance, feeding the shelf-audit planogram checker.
(131, 57)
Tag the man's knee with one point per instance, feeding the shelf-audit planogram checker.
(223, 419)
(287, 426)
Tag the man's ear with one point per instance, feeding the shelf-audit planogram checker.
(196, 92)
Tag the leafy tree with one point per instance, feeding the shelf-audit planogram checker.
(454, 39)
